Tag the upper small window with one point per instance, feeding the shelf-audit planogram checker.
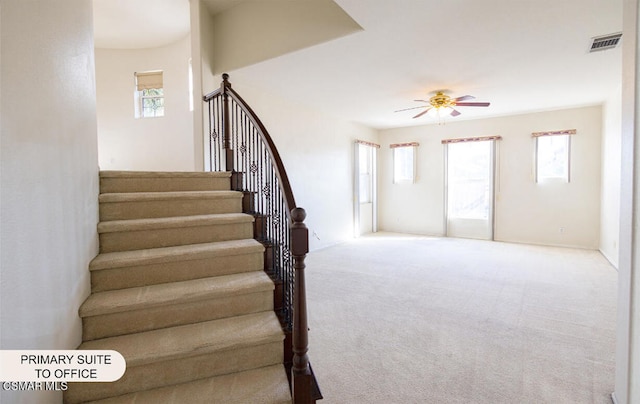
(149, 94)
(404, 162)
(552, 156)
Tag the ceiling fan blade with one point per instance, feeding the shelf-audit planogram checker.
(472, 104)
(422, 113)
(464, 98)
(454, 112)
(407, 109)
(422, 100)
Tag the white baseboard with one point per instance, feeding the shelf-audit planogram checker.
(612, 262)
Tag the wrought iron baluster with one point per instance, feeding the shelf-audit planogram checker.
(238, 142)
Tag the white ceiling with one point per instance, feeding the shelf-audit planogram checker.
(131, 24)
(521, 55)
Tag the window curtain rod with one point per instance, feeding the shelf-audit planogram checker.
(364, 142)
(555, 133)
(411, 144)
(471, 139)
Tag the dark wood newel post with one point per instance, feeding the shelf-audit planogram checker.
(301, 374)
(226, 123)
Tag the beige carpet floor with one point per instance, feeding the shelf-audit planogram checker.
(410, 319)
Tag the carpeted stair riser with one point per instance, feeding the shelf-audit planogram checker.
(141, 275)
(123, 181)
(128, 269)
(264, 385)
(183, 370)
(186, 353)
(127, 235)
(132, 310)
(110, 325)
(168, 204)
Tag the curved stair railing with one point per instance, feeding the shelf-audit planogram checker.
(239, 143)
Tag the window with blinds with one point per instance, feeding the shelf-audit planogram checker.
(149, 94)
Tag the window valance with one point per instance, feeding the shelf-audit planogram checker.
(364, 142)
(555, 133)
(411, 144)
(471, 139)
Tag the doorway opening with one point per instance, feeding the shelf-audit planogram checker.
(469, 182)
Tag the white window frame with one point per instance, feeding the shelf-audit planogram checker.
(544, 140)
(365, 161)
(402, 174)
(143, 96)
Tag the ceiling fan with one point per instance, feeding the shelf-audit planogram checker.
(443, 103)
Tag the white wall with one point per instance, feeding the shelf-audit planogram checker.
(610, 198)
(210, 81)
(206, 82)
(416, 208)
(627, 390)
(195, 16)
(49, 183)
(318, 153)
(525, 211)
(254, 31)
(126, 143)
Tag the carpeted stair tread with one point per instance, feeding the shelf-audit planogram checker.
(159, 181)
(267, 385)
(161, 196)
(127, 269)
(193, 339)
(143, 205)
(174, 254)
(173, 222)
(123, 300)
(164, 174)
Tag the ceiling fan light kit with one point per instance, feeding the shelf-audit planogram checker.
(441, 105)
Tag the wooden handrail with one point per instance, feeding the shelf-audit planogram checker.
(225, 88)
(293, 241)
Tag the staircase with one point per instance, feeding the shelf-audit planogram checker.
(179, 290)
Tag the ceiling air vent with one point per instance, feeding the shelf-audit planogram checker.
(605, 42)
